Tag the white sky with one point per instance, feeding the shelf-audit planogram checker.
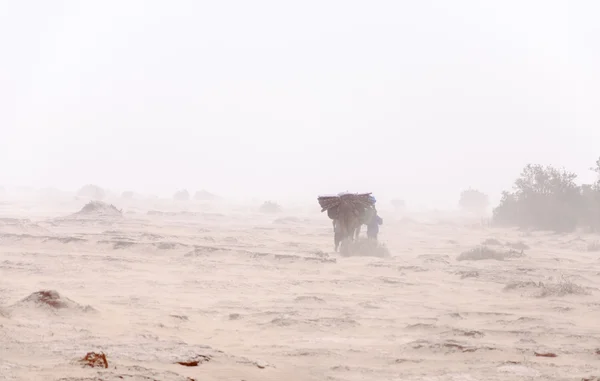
(410, 99)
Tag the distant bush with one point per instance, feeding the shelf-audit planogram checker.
(547, 198)
(473, 201)
(270, 207)
(483, 253)
(545, 290)
(127, 195)
(182, 195)
(92, 191)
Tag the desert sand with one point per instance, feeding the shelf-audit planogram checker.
(244, 295)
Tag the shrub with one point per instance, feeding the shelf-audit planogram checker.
(483, 252)
(182, 195)
(543, 198)
(473, 201)
(270, 207)
(127, 195)
(545, 290)
(92, 191)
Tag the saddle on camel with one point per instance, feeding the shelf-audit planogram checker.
(348, 211)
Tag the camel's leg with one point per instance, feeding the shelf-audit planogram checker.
(345, 246)
(336, 236)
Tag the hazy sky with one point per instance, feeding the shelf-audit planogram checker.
(415, 99)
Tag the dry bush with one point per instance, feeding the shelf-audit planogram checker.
(270, 207)
(182, 195)
(547, 198)
(92, 191)
(468, 274)
(51, 300)
(127, 195)
(561, 289)
(473, 201)
(366, 247)
(516, 285)
(544, 290)
(99, 207)
(94, 360)
(483, 252)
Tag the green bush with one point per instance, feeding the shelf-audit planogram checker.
(547, 198)
(473, 201)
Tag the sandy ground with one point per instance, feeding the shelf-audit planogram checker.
(263, 297)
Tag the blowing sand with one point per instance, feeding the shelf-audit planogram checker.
(239, 295)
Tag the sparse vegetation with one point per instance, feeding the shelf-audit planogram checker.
(100, 208)
(127, 195)
(547, 198)
(484, 252)
(561, 289)
(91, 191)
(473, 201)
(182, 195)
(94, 360)
(270, 207)
(544, 290)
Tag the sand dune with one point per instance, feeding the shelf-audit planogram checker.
(229, 294)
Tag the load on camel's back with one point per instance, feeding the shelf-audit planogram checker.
(348, 211)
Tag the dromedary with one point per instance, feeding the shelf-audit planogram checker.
(348, 212)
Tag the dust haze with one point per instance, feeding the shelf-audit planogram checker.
(162, 162)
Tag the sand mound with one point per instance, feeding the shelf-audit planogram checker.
(99, 209)
(366, 248)
(50, 300)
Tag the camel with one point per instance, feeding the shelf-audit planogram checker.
(348, 212)
(365, 218)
